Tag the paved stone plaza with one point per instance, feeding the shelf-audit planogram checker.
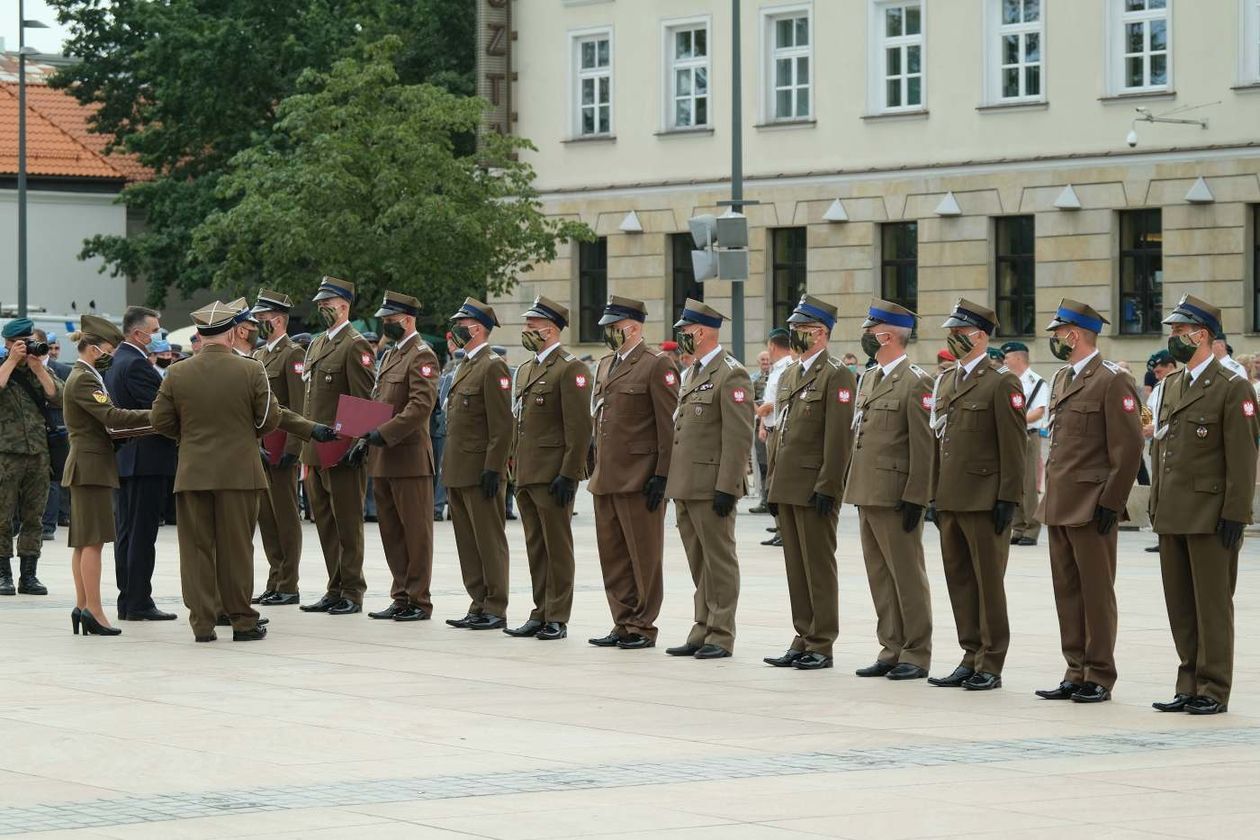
(347, 727)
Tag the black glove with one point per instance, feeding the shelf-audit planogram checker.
(723, 503)
(287, 460)
(563, 489)
(356, 454)
(489, 483)
(930, 515)
(773, 507)
(1106, 519)
(822, 504)
(654, 490)
(374, 438)
(1230, 532)
(1003, 513)
(266, 457)
(323, 434)
(910, 513)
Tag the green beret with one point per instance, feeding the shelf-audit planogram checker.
(996, 354)
(1014, 347)
(19, 328)
(778, 332)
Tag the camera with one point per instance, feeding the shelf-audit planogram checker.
(36, 348)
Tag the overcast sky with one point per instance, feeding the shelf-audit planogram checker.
(45, 40)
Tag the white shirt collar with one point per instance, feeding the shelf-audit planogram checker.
(781, 363)
(92, 370)
(891, 366)
(1195, 371)
(136, 347)
(469, 354)
(708, 357)
(271, 345)
(807, 363)
(406, 338)
(970, 366)
(626, 351)
(332, 333)
(542, 355)
(1080, 366)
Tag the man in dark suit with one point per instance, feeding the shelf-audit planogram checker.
(146, 466)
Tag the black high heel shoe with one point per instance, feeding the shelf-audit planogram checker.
(76, 615)
(92, 627)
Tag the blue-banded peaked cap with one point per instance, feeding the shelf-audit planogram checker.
(812, 310)
(1193, 310)
(547, 309)
(887, 312)
(478, 311)
(1073, 313)
(698, 312)
(968, 313)
(619, 308)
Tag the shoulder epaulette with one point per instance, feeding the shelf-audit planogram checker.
(1112, 366)
(1231, 374)
(1003, 369)
(919, 372)
(569, 357)
(834, 362)
(733, 363)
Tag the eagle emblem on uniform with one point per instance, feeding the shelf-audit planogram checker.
(670, 378)
(926, 402)
(1017, 401)
(580, 380)
(1129, 405)
(366, 359)
(426, 370)
(299, 368)
(1249, 409)
(844, 395)
(100, 397)
(504, 383)
(738, 395)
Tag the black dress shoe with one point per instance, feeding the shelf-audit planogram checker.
(151, 614)
(322, 605)
(1092, 692)
(460, 622)
(437, 516)
(1025, 541)
(983, 681)
(636, 641)
(264, 596)
(1063, 692)
(485, 621)
(812, 662)
(1204, 706)
(610, 640)
(1151, 549)
(345, 607)
(1177, 704)
(879, 669)
(683, 650)
(212, 636)
(712, 652)
(252, 635)
(552, 630)
(1014, 539)
(955, 680)
(907, 671)
(226, 621)
(388, 613)
(774, 529)
(411, 613)
(784, 661)
(282, 599)
(529, 628)
(775, 540)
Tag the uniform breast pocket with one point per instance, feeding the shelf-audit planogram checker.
(809, 406)
(394, 381)
(701, 408)
(1080, 417)
(975, 416)
(467, 401)
(633, 400)
(1205, 431)
(886, 413)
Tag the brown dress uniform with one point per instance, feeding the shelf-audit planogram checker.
(1203, 475)
(979, 463)
(636, 393)
(402, 469)
(713, 437)
(338, 364)
(478, 441)
(809, 458)
(891, 468)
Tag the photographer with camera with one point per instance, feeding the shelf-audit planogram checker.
(27, 391)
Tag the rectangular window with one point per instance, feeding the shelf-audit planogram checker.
(788, 272)
(898, 58)
(1141, 272)
(899, 264)
(592, 61)
(1249, 49)
(592, 288)
(688, 75)
(683, 277)
(1255, 268)
(1018, 50)
(789, 71)
(1016, 275)
(1142, 36)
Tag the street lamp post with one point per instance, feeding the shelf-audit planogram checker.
(23, 25)
(737, 171)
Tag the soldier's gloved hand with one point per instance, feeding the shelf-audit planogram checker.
(1230, 532)
(374, 438)
(1106, 519)
(723, 503)
(822, 504)
(1003, 514)
(266, 457)
(910, 513)
(930, 515)
(773, 507)
(654, 490)
(563, 489)
(323, 434)
(356, 455)
(489, 483)
(287, 460)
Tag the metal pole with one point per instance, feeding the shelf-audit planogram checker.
(737, 173)
(21, 219)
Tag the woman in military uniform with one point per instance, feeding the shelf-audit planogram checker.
(91, 472)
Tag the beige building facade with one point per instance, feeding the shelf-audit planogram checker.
(917, 150)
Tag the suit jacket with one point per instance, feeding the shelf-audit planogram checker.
(478, 420)
(407, 381)
(285, 364)
(983, 439)
(217, 405)
(892, 456)
(89, 417)
(343, 364)
(133, 384)
(1203, 458)
(813, 435)
(713, 432)
(1095, 444)
(634, 420)
(552, 404)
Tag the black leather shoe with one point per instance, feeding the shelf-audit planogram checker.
(812, 662)
(610, 640)
(1063, 692)
(879, 669)
(264, 596)
(907, 671)
(388, 613)
(485, 621)
(1177, 704)
(1151, 549)
(1014, 539)
(955, 680)
(1092, 692)
(345, 607)
(282, 599)
(1025, 541)
(529, 628)
(636, 641)
(775, 540)
(784, 661)
(225, 621)
(553, 630)
(213, 636)
(253, 635)
(683, 650)
(712, 652)
(153, 614)
(983, 681)
(460, 622)
(411, 613)
(1204, 706)
(322, 605)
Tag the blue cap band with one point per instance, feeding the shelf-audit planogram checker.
(545, 311)
(702, 319)
(816, 313)
(476, 314)
(624, 312)
(894, 318)
(337, 290)
(1092, 324)
(1207, 320)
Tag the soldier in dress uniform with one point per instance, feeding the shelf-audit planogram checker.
(1095, 449)
(977, 482)
(340, 361)
(1203, 475)
(713, 433)
(474, 466)
(809, 460)
(552, 436)
(888, 481)
(636, 394)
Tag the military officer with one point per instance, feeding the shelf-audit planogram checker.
(474, 463)
(1026, 528)
(977, 482)
(636, 394)
(888, 481)
(1203, 473)
(551, 439)
(1095, 449)
(713, 434)
(809, 460)
(340, 361)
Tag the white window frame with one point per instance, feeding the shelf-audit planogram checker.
(1117, 27)
(577, 75)
(879, 43)
(1249, 42)
(669, 97)
(994, 54)
(770, 16)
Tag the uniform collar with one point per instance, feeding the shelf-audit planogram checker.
(1079, 367)
(469, 355)
(972, 365)
(332, 333)
(1194, 372)
(271, 345)
(542, 355)
(891, 366)
(710, 356)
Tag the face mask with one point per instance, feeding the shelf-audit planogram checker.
(1181, 348)
(103, 362)
(960, 345)
(533, 340)
(461, 335)
(870, 344)
(265, 329)
(163, 363)
(614, 338)
(328, 316)
(393, 330)
(1059, 348)
(801, 340)
(687, 343)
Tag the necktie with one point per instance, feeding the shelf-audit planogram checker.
(1071, 374)
(695, 371)
(877, 377)
(616, 361)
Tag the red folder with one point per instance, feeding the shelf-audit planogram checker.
(274, 443)
(355, 418)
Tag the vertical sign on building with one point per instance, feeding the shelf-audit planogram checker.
(494, 64)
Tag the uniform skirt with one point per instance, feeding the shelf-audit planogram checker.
(91, 515)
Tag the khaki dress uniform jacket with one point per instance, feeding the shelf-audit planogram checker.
(279, 517)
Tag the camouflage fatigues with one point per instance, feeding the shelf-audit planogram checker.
(24, 465)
